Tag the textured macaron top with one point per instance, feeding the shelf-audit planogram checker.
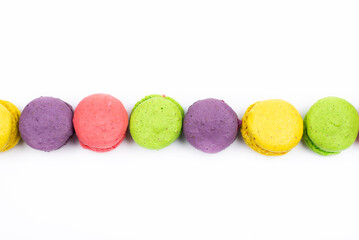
(100, 122)
(9, 122)
(156, 121)
(210, 125)
(331, 125)
(272, 127)
(46, 123)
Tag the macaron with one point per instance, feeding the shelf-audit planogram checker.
(210, 125)
(272, 127)
(9, 122)
(100, 122)
(331, 126)
(46, 123)
(156, 121)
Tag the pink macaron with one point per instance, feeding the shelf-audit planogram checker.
(100, 122)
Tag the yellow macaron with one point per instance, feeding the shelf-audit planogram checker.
(272, 127)
(9, 125)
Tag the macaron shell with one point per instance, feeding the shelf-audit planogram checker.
(177, 104)
(159, 96)
(46, 123)
(272, 127)
(250, 141)
(15, 115)
(332, 124)
(5, 128)
(100, 122)
(156, 122)
(102, 149)
(312, 146)
(210, 125)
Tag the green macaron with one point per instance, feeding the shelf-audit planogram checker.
(156, 121)
(331, 126)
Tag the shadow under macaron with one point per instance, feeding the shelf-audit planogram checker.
(128, 137)
(72, 141)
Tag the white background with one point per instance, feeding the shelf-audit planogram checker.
(238, 51)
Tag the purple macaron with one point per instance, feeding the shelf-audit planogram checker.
(46, 123)
(210, 125)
